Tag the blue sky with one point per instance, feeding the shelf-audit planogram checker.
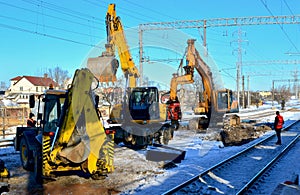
(37, 35)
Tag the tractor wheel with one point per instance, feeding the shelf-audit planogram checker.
(193, 124)
(26, 155)
(98, 176)
(38, 165)
(175, 125)
(165, 136)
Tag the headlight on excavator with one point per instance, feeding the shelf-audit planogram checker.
(110, 131)
(50, 133)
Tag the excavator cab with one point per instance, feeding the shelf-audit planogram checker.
(144, 103)
(226, 102)
(52, 111)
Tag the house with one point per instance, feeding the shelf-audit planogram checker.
(23, 86)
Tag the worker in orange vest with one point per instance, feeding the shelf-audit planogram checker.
(278, 124)
(30, 121)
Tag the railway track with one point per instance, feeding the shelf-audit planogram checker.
(238, 173)
(256, 116)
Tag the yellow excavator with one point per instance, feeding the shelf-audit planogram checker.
(213, 103)
(141, 118)
(70, 136)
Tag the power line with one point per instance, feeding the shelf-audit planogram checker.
(51, 27)
(51, 16)
(154, 11)
(47, 35)
(270, 62)
(281, 26)
(64, 11)
(288, 7)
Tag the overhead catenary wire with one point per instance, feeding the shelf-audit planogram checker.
(47, 26)
(47, 35)
(281, 27)
(50, 16)
(64, 11)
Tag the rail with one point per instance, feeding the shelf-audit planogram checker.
(196, 178)
(256, 177)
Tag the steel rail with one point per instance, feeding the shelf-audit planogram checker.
(195, 178)
(257, 176)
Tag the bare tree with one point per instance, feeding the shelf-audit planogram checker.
(59, 76)
(282, 93)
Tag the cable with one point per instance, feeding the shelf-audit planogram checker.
(55, 17)
(58, 8)
(281, 26)
(48, 35)
(52, 27)
(154, 11)
(288, 7)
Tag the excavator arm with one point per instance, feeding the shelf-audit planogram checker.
(105, 66)
(116, 39)
(174, 110)
(193, 62)
(188, 77)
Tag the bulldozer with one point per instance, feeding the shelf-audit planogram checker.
(70, 136)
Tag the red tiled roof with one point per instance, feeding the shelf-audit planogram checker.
(16, 78)
(39, 81)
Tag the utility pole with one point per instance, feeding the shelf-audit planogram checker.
(141, 56)
(239, 67)
(248, 95)
(243, 91)
(296, 88)
(212, 23)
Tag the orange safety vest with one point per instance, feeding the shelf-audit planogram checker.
(30, 122)
(280, 122)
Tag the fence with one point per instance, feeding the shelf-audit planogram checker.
(12, 116)
(6, 142)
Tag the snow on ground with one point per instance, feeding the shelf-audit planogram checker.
(200, 155)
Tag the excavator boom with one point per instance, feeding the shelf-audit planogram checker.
(116, 37)
(105, 66)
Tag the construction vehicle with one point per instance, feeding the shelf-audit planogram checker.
(4, 177)
(212, 104)
(141, 118)
(69, 137)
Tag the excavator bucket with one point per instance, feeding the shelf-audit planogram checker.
(104, 68)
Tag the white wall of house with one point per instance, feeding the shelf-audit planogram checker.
(24, 86)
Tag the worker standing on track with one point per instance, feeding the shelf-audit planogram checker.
(30, 121)
(278, 124)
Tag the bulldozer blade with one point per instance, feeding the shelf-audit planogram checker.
(104, 68)
(160, 152)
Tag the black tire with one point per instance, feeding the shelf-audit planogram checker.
(193, 124)
(38, 165)
(165, 136)
(175, 125)
(26, 155)
(98, 176)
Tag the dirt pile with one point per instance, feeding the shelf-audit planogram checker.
(241, 134)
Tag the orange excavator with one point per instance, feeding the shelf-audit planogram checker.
(213, 104)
